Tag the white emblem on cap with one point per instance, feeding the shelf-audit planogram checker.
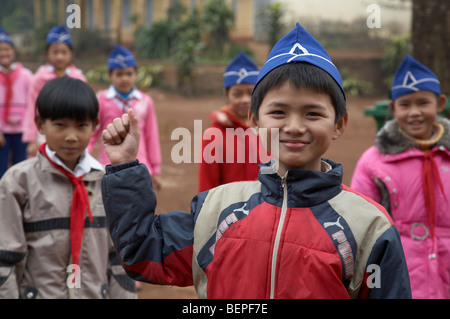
(409, 78)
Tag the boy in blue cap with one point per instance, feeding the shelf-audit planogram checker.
(240, 78)
(407, 170)
(59, 54)
(121, 96)
(295, 233)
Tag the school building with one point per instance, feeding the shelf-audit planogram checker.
(117, 19)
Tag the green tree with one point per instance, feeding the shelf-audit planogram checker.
(16, 14)
(271, 16)
(187, 52)
(217, 20)
(393, 54)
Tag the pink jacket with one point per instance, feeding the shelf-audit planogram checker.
(110, 107)
(21, 79)
(391, 173)
(44, 74)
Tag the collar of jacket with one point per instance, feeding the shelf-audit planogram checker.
(96, 173)
(389, 140)
(305, 188)
(111, 93)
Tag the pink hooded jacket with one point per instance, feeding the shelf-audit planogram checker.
(110, 107)
(21, 78)
(44, 74)
(391, 173)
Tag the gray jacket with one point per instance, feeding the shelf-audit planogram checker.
(35, 257)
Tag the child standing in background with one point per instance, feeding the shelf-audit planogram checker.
(239, 80)
(408, 172)
(15, 83)
(52, 220)
(59, 55)
(121, 96)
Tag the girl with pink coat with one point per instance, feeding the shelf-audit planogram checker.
(59, 54)
(116, 100)
(408, 172)
(14, 87)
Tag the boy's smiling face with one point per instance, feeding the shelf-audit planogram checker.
(306, 123)
(416, 112)
(6, 54)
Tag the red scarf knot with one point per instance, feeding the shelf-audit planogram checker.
(80, 203)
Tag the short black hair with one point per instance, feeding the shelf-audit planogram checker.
(66, 97)
(301, 75)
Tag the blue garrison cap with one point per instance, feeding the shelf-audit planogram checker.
(412, 76)
(120, 58)
(4, 37)
(299, 46)
(59, 34)
(241, 70)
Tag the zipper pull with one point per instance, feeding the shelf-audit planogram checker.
(283, 181)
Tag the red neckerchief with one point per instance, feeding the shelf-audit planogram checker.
(430, 174)
(80, 202)
(7, 80)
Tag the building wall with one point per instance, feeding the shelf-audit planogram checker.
(115, 17)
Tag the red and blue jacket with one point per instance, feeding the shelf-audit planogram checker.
(303, 235)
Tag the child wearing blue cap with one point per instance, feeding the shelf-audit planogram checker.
(239, 80)
(15, 84)
(59, 55)
(117, 99)
(297, 232)
(407, 171)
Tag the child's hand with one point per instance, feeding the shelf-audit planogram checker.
(121, 139)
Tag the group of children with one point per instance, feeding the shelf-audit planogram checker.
(287, 228)
(54, 242)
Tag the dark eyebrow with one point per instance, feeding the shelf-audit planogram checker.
(307, 106)
(277, 104)
(315, 106)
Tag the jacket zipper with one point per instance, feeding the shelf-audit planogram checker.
(276, 243)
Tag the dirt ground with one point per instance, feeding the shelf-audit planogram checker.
(180, 180)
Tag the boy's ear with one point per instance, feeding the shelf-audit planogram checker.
(339, 127)
(39, 124)
(252, 120)
(95, 123)
(391, 106)
(442, 100)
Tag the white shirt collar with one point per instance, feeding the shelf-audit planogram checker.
(12, 67)
(51, 68)
(111, 93)
(84, 166)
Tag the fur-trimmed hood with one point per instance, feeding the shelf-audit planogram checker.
(390, 140)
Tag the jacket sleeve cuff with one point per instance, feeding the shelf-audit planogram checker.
(110, 169)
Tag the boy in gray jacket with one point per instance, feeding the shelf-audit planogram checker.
(53, 237)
